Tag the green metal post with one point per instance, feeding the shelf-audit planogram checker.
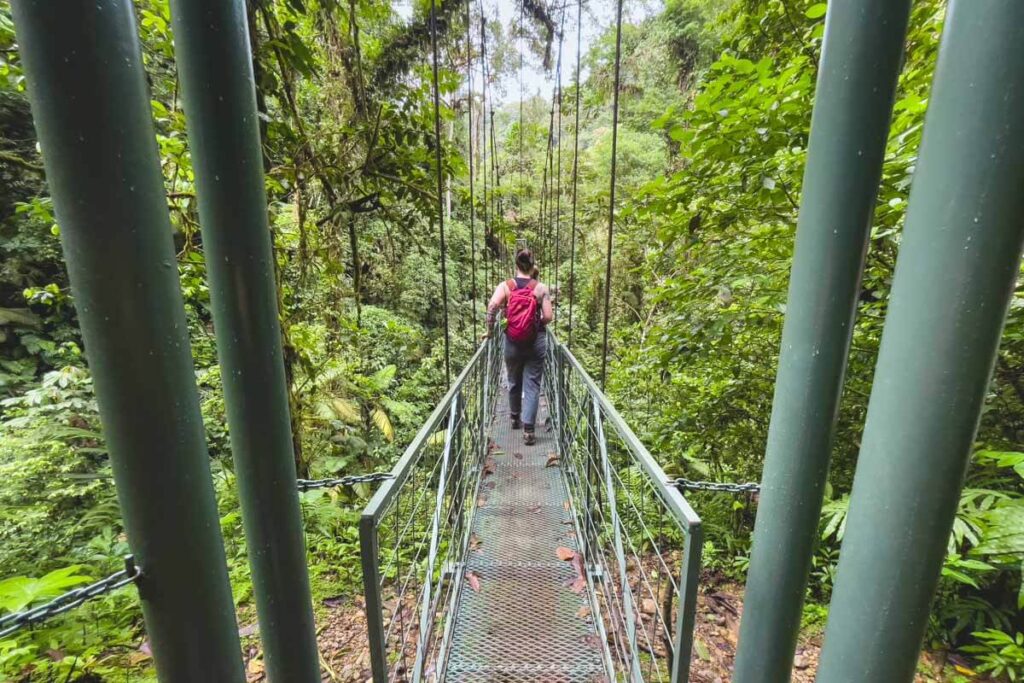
(954, 279)
(856, 87)
(92, 114)
(215, 66)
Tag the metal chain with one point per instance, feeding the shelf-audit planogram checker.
(721, 487)
(372, 478)
(12, 623)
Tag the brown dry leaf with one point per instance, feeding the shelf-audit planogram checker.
(566, 505)
(533, 508)
(481, 501)
(517, 455)
(489, 466)
(255, 666)
(592, 640)
(474, 581)
(474, 542)
(489, 485)
(583, 612)
(578, 585)
(552, 460)
(565, 554)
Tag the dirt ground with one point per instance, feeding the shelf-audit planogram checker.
(345, 658)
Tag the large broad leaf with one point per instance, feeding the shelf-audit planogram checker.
(380, 418)
(382, 379)
(346, 409)
(1004, 531)
(18, 316)
(18, 592)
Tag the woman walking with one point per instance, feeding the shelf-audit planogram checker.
(527, 305)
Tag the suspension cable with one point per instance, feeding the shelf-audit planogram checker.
(440, 193)
(575, 169)
(488, 213)
(522, 31)
(472, 208)
(545, 220)
(611, 194)
(497, 171)
(558, 175)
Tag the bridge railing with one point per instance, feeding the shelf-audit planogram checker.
(641, 541)
(414, 533)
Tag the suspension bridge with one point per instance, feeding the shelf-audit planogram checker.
(575, 559)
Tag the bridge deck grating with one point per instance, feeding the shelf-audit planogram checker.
(525, 623)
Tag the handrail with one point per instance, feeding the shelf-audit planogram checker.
(642, 539)
(672, 496)
(414, 532)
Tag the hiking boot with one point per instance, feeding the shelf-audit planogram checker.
(529, 438)
(516, 422)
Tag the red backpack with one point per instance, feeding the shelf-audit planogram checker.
(521, 312)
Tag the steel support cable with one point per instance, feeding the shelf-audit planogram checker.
(497, 172)
(575, 171)
(611, 193)
(558, 174)
(488, 213)
(440, 193)
(522, 29)
(472, 208)
(542, 232)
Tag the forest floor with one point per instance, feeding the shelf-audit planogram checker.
(345, 657)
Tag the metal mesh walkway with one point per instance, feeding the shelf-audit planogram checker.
(525, 622)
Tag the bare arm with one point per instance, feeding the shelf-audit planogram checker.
(497, 302)
(547, 313)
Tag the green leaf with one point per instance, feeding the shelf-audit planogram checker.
(817, 11)
(18, 592)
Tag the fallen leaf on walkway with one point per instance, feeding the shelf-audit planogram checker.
(533, 508)
(474, 581)
(583, 612)
(253, 628)
(474, 542)
(565, 554)
(481, 501)
(517, 455)
(578, 585)
(552, 460)
(592, 640)
(489, 485)
(566, 505)
(489, 466)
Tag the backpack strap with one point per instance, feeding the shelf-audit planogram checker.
(511, 284)
(532, 284)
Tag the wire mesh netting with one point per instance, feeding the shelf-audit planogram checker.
(640, 538)
(415, 532)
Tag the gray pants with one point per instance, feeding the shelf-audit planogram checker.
(525, 365)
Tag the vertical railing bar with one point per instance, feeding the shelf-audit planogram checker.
(369, 553)
(620, 556)
(426, 615)
(689, 576)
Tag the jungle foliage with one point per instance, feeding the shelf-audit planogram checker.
(716, 104)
